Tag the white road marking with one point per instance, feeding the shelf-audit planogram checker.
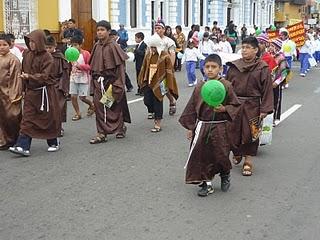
(289, 112)
(135, 100)
(317, 90)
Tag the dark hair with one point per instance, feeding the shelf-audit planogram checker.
(113, 32)
(179, 27)
(50, 41)
(72, 20)
(215, 22)
(284, 33)
(251, 41)
(197, 28)
(206, 34)
(77, 39)
(139, 35)
(6, 38)
(213, 58)
(207, 28)
(11, 36)
(105, 24)
(46, 32)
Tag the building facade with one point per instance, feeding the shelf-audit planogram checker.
(22, 16)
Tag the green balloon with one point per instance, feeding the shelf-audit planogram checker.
(258, 32)
(72, 54)
(213, 93)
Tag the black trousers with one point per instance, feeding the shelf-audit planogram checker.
(24, 141)
(153, 104)
(128, 82)
(277, 100)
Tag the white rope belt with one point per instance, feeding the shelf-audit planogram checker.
(44, 96)
(101, 80)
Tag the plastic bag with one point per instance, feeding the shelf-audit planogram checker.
(266, 135)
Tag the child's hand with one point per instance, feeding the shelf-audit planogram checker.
(189, 134)
(220, 109)
(274, 85)
(24, 76)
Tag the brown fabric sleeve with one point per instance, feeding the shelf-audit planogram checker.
(232, 104)
(15, 92)
(267, 92)
(46, 67)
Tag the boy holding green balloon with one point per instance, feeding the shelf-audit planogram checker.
(212, 105)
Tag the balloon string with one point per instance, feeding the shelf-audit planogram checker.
(210, 129)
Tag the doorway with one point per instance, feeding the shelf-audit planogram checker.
(81, 11)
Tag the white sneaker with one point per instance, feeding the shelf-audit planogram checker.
(53, 148)
(286, 86)
(276, 122)
(195, 82)
(20, 151)
(302, 74)
(190, 85)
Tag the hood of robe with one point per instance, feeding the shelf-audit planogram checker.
(39, 38)
(243, 66)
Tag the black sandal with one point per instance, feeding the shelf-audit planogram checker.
(122, 134)
(172, 109)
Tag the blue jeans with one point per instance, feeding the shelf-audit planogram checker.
(24, 141)
(304, 62)
(191, 71)
(289, 61)
(202, 66)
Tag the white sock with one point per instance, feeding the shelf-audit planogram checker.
(209, 183)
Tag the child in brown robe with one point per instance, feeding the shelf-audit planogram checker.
(41, 114)
(207, 128)
(60, 73)
(10, 94)
(156, 79)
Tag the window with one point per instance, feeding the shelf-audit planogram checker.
(254, 14)
(133, 13)
(201, 12)
(20, 17)
(186, 13)
(270, 13)
(161, 10)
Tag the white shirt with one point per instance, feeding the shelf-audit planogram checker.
(206, 47)
(16, 51)
(191, 54)
(226, 47)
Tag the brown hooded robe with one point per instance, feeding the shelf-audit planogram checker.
(108, 61)
(40, 119)
(253, 85)
(61, 75)
(164, 72)
(10, 99)
(208, 155)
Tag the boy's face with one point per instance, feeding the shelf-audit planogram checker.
(102, 33)
(76, 45)
(50, 48)
(212, 70)
(32, 45)
(4, 47)
(138, 40)
(153, 49)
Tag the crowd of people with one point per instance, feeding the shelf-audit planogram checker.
(254, 83)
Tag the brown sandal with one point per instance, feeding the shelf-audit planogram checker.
(236, 160)
(122, 134)
(247, 169)
(156, 129)
(76, 117)
(100, 138)
(91, 111)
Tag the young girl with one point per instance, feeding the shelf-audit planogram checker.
(191, 56)
(304, 55)
(41, 112)
(279, 75)
(156, 79)
(80, 79)
(10, 94)
(205, 48)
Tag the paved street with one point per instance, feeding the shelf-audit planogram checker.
(133, 188)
